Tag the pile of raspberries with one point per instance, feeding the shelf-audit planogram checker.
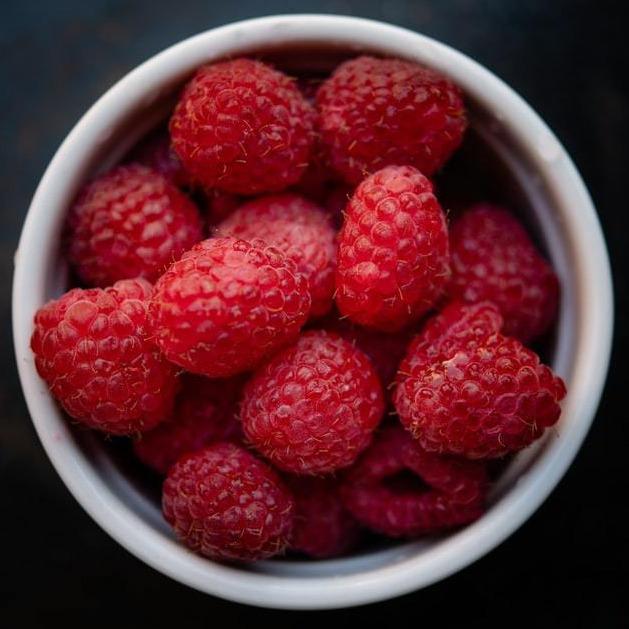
(272, 305)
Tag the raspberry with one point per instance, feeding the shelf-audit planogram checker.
(155, 152)
(299, 229)
(226, 305)
(312, 408)
(494, 259)
(92, 349)
(131, 222)
(323, 527)
(205, 412)
(475, 392)
(243, 127)
(225, 504)
(380, 112)
(398, 489)
(393, 250)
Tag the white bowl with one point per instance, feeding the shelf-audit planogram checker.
(557, 201)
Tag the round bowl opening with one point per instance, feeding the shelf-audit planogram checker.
(509, 156)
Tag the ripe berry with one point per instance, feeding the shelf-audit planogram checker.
(130, 222)
(225, 504)
(323, 527)
(93, 350)
(205, 412)
(474, 392)
(379, 112)
(393, 260)
(156, 152)
(243, 127)
(494, 259)
(398, 489)
(226, 305)
(313, 407)
(300, 230)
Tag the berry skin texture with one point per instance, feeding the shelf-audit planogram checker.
(205, 412)
(494, 259)
(225, 504)
(299, 229)
(155, 152)
(393, 258)
(398, 489)
(313, 407)
(384, 350)
(226, 305)
(379, 112)
(475, 393)
(130, 222)
(243, 127)
(93, 350)
(323, 527)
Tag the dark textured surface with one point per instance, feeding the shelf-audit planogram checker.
(566, 566)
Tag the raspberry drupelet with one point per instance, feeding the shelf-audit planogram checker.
(92, 348)
(243, 127)
(226, 305)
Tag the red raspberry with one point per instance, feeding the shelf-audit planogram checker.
(398, 489)
(205, 412)
(299, 229)
(155, 152)
(494, 259)
(92, 349)
(131, 222)
(323, 527)
(475, 393)
(226, 305)
(393, 250)
(313, 407)
(380, 112)
(243, 127)
(225, 504)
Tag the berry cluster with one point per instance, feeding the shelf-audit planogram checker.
(252, 368)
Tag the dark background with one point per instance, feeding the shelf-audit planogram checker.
(566, 566)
